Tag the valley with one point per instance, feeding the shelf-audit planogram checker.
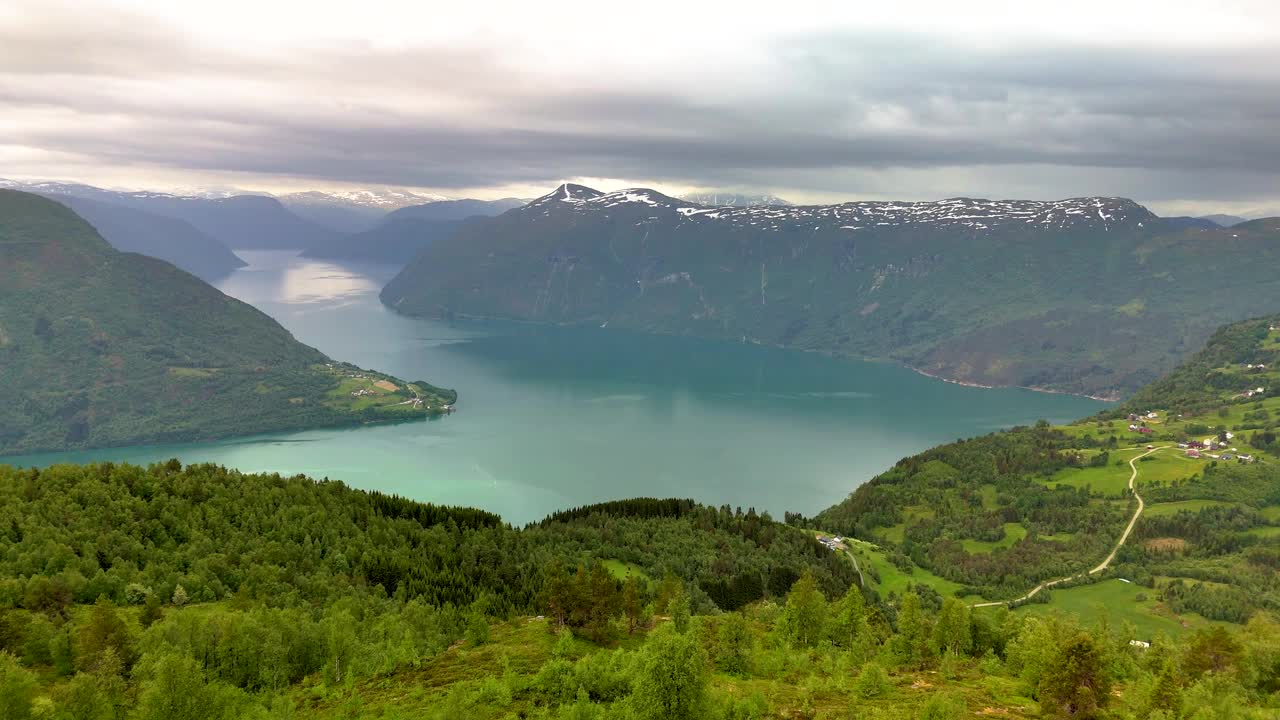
(1145, 531)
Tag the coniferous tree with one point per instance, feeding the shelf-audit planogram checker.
(1212, 650)
(1075, 684)
(104, 631)
(151, 611)
(557, 592)
(1166, 695)
(633, 603)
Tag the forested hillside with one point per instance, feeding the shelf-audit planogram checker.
(100, 347)
(198, 592)
(1095, 296)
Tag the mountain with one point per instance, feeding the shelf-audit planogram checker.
(399, 236)
(240, 222)
(719, 199)
(457, 209)
(1223, 220)
(170, 239)
(1189, 223)
(1095, 296)
(353, 211)
(394, 241)
(101, 347)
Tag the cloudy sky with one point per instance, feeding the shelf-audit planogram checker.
(1175, 103)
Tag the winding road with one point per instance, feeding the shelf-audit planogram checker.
(1133, 476)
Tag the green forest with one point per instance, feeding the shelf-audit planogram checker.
(201, 592)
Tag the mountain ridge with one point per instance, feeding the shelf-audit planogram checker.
(1093, 296)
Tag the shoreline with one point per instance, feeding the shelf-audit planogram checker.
(1047, 391)
(761, 343)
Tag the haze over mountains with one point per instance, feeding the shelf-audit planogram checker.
(198, 232)
(1088, 295)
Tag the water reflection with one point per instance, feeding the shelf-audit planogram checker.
(285, 277)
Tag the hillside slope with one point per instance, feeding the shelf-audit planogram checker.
(1090, 295)
(997, 515)
(99, 347)
(394, 240)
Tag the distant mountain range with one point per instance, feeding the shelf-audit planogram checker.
(248, 222)
(717, 199)
(1092, 295)
(167, 238)
(101, 348)
(1224, 220)
(376, 225)
(353, 211)
(401, 234)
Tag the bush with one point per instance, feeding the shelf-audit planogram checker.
(942, 706)
(136, 593)
(556, 680)
(873, 681)
(17, 689)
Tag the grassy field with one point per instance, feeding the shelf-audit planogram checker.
(1120, 602)
(1013, 532)
(189, 372)
(1166, 466)
(895, 533)
(1109, 481)
(1173, 508)
(623, 570)
(989, 495)
(359, 390)
(892, 579)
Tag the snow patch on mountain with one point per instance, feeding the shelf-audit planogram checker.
(380, 199)
(973, 213)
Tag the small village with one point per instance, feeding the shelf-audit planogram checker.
(1196, 449)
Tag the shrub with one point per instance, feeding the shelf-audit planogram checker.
(873, 681)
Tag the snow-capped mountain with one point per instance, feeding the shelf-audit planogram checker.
(971, 213)
(381, 199)
(729, 199)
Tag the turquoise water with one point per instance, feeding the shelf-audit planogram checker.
(553, 417)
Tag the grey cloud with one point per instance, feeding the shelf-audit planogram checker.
(836, 114)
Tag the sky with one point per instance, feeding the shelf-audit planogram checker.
(1174, 103)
